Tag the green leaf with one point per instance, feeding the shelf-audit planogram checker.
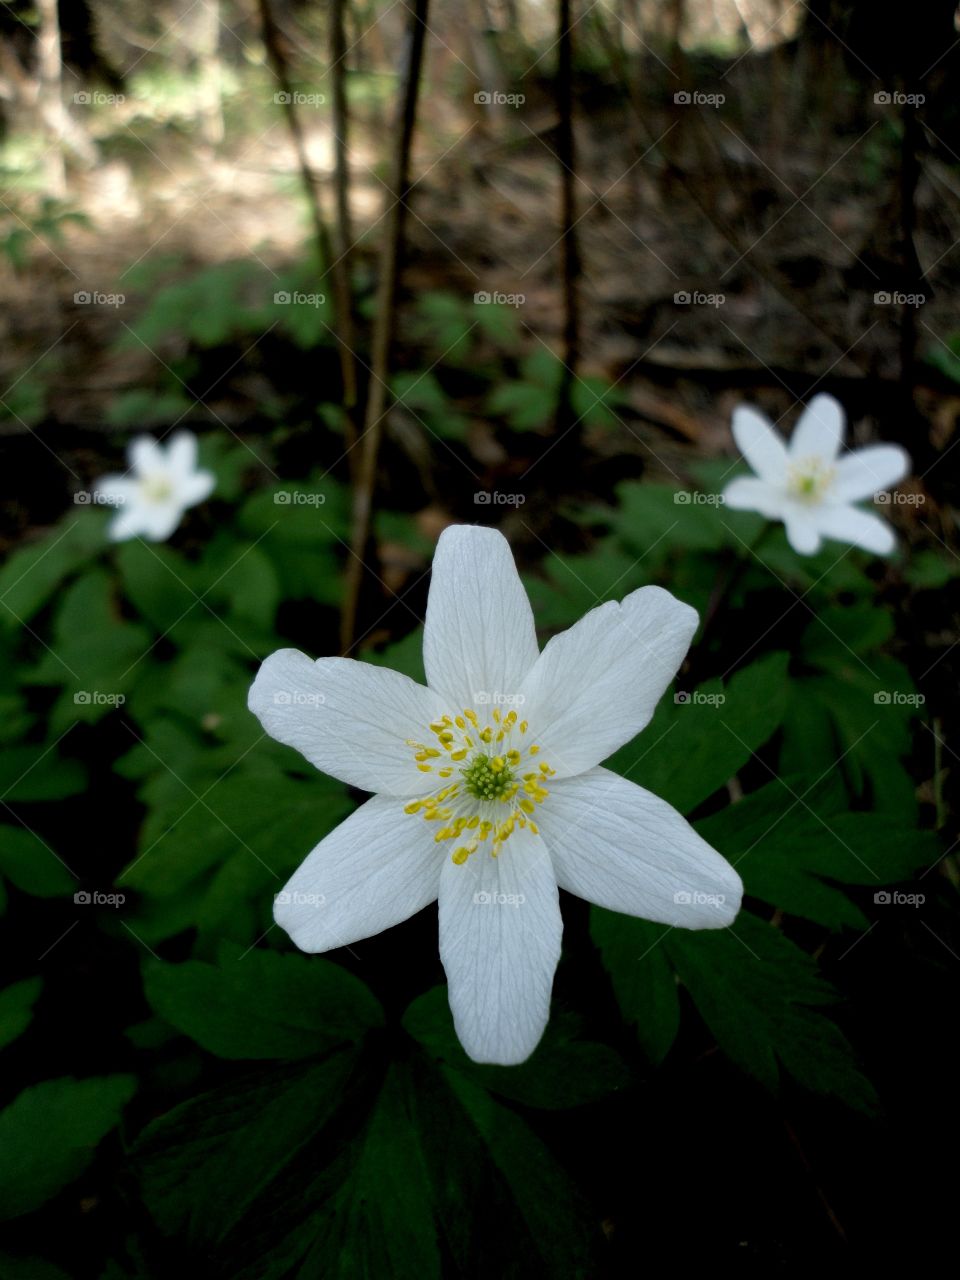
(205, 1165)
(262, 1004)
(16, 1008)
(32, 774)
(48, 1135)
(30, 864)
(564, 1071)
(692, 747)
(643, 981)
(381, 1221)
(758, 993)
(95, 652)
(788, 845)
(577, 584)
(33, 573)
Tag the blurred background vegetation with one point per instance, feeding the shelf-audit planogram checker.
(510, 263)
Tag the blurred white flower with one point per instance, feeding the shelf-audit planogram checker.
(809, 484)
(489, 793)
(160, 485)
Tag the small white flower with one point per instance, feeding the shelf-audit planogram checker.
(490, 809)
(808, 484)
(163, 484)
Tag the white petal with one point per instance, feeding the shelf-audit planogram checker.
(145, 455)
(115, 490)
(127, 523)
(181, 456)
(759, 443)
(864, 472)
(194, 488)
(803, 532)
(819, 433)
(750, 493)
(858, 528)
(623, 848)
(159, 519)
(595, 686)
(500, 930)
(377, 868)
(349, 719)
(479, 636)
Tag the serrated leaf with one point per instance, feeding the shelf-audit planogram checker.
(643, 980)
(759, 996)
(262, 1004)
(564, 1070)
(48, 1135)
(692, 748)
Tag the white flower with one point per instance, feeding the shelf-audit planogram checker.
(152, 500)
(808, 484)
(488, 790)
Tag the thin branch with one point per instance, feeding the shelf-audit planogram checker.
(340, 268)
(570, 267)
(384, 322)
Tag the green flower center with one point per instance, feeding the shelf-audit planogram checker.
(156, 488)
(809, 479)
(488, 777)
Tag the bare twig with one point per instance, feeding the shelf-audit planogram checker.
(570, 247)
(340, 268)
(384, 322)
